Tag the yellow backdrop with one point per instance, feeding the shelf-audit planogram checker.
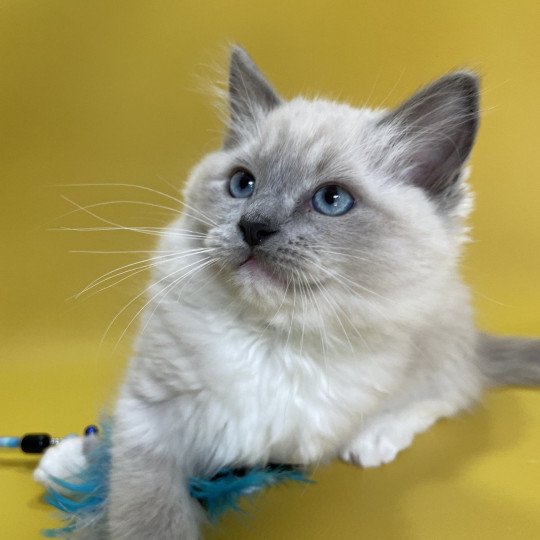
(108, 92)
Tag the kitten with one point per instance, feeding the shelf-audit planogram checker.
(314, 309)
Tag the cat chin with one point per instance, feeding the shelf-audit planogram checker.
(272, 305)
(259, 286)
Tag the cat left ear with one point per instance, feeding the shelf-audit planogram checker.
(250, 96)
(430, 136)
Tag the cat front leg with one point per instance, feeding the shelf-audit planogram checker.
(390, 432)
(149, 497)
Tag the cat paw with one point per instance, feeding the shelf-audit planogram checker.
(377, 445)
(63, 461)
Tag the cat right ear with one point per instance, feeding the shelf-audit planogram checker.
(429, 138)
(251, 96)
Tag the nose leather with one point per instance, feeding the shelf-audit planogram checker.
(255, 232)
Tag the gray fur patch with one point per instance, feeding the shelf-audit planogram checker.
(434, 132)
(509, 360)
(250, 96)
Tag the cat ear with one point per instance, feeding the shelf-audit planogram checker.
(250, 96)
(430, 136)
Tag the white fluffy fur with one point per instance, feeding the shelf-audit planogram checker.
(230, 370)
(62, 461)
(343, 337)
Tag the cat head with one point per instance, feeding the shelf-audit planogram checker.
(320, 209)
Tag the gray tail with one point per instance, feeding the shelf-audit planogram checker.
(509, 360)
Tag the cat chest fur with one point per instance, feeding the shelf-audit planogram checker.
(246, 396)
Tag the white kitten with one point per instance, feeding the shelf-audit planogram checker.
(311, 307)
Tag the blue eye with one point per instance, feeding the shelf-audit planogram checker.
(241, 185)
(332, 201)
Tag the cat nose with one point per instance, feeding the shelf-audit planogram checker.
(255, 232)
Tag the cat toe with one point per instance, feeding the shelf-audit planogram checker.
(375, 448)
(370, 455)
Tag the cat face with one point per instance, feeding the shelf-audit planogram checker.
(318, 208)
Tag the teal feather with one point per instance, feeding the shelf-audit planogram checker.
(223, 491)
(82, 502)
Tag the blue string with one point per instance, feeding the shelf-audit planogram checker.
(10, 442)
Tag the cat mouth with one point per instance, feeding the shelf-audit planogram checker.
(263, 273)
(255, 267)
(250, 260)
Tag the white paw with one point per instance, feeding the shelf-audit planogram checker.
(378, 444)
(63, 461)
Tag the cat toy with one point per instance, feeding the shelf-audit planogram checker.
(81, 498)
(37, 443)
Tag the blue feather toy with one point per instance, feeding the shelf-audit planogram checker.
(82, 503)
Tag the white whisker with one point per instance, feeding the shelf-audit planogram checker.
(323, 334)
(201, 264)
(126, 306)
(153, 231)
(152, 190)
(137, 267)
(120, 252)
(331, 303)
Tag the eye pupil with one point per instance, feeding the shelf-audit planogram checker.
(330, 195)
(245, 181)
(332, 200)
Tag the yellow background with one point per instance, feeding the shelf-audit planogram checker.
(101, 91)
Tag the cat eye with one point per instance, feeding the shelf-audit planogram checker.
(241, 184)
(332, 200)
